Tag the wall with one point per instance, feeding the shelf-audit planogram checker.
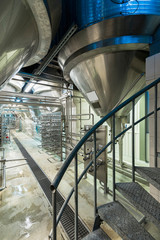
(152, 73)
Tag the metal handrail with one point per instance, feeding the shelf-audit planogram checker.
(73, 154)
(66, 164)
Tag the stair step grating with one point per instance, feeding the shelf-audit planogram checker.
(152, 175)
(142, 200)
(122, 222)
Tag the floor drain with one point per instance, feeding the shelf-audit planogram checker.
(67, 219)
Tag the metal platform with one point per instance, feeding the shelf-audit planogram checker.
(98, 234)
(152, 175)
(67, 219)
(142, 200)
(122, 222)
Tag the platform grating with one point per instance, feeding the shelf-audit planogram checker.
(67, 219)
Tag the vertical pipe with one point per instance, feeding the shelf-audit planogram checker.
(61, 136)
(54, 193)
(4, 175)
(133, 142)
(76, 198)
(155, 128)
(71, 121)
(146, 120)
(121, 151)
(80, 117)
(95, 177)
(114, 159)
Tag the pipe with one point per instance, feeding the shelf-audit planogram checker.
(42, 84)
(3, 149)
(4, 177)
(24, 95)
(31, 104)
(84, 114)
(32, 76)
(10, 160)
(4, 169)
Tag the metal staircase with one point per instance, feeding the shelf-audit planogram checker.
(114, 213)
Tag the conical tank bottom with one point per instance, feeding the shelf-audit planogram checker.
(107, 79)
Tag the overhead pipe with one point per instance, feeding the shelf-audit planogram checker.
(37, 83)
(31, 104)
(43, 78)
(30, 96)
(11, 99)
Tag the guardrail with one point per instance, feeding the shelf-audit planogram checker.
(96, 153)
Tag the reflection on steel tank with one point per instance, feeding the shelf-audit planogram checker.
(26, 33)
(106, 58)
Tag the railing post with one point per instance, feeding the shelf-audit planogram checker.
(114, 158)
(76, 198)
(95, 177)
(155, 128)
(54, 193)
(133, 142)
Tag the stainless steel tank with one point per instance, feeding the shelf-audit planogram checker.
(26, 33)
(106, 58)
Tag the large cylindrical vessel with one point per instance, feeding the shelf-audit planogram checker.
(26, 33)
(106, 58)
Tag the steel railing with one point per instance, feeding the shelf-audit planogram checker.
(96, 154)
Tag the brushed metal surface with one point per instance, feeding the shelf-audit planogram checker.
(108, 58)
(25, 33)
(111, 28)
(112, 76)
(19, 36)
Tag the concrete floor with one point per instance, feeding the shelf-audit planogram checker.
(25, 213)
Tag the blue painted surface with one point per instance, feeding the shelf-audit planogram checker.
(92, 11)
(155, 46)
(88, 12)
